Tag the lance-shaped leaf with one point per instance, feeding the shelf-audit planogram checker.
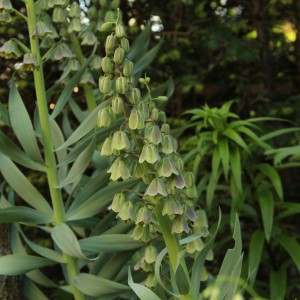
(80, 165)
(22, 126)
(141, 291)
(23, 214)
(66, 240)
(16, 264)
(95, 286)
(11, 150)
(22, 186)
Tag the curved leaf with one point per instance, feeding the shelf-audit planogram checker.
(140, 290)
(22, 186)
(255, 252)
(95, 286)
(21, 124)
(16, 264)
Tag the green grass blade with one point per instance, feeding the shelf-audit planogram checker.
(141, 291)
(292, 247)
(236, 169)
(224, 154)
(16, 264)
(278, 284)
(273, 175)
(22, 126)
(255, 251)
(266, 204)
(235, 137)
(22, 186)
(95, 286)
(31, 291)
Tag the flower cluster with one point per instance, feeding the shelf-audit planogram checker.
(143, 146)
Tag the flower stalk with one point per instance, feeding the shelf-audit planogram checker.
(50, 161)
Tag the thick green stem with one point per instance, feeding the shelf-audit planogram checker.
(88, 91)
(50, 161)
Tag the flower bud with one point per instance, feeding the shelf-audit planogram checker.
(127, 68)
(156, 187)
(5, 5)
(10, 49)
(105, 117)
(128, 212)
(107, 64)
(121, 85)
(29, 62)
(103, 3)
(154, 114)
(54, 3)
(153, 134)
(5, 17)
(125, 44)
(189, 179)
(143, 107)
(162, 99)
(134, 95)
(92, 13)
(118, 170)
(162, 117)
(59, 15)
(119, 56)
(178, 162)
(73, 65)
(75, 25)
(149, 154)
(144, 215)
(106, 26)
(172, 207)
(117, 105)
(120, 31)
(88, 38)
(136, 120)
(150, 255)
(107, 149)
(104, 84)
(110, 44)
(180, 225)
(118, 202)
(120, 141)
(75, 11)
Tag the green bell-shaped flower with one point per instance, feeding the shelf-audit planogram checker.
(134, 95)
(166, 167)
(96, 62)
(5, 17)
(143, 107)
(127, 212)
(5, 5)
(43, 30)
(144, 215)
(88, 38)
(106, 149)
(180, 225)
(10, 49)
(172, 207)
(75, 11)
(149, 154)
(118, 202)
(120, 141)
(119, 170)
(59, 15)
(150, 254)
(75, 25)
(62, 51)
(120, 31)
(165, 128)
(169, 144)
(153, 134)
(87, 79)
(156, 187)
(179, 181)
(29, 62)
(136, 120)
(141, 232)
